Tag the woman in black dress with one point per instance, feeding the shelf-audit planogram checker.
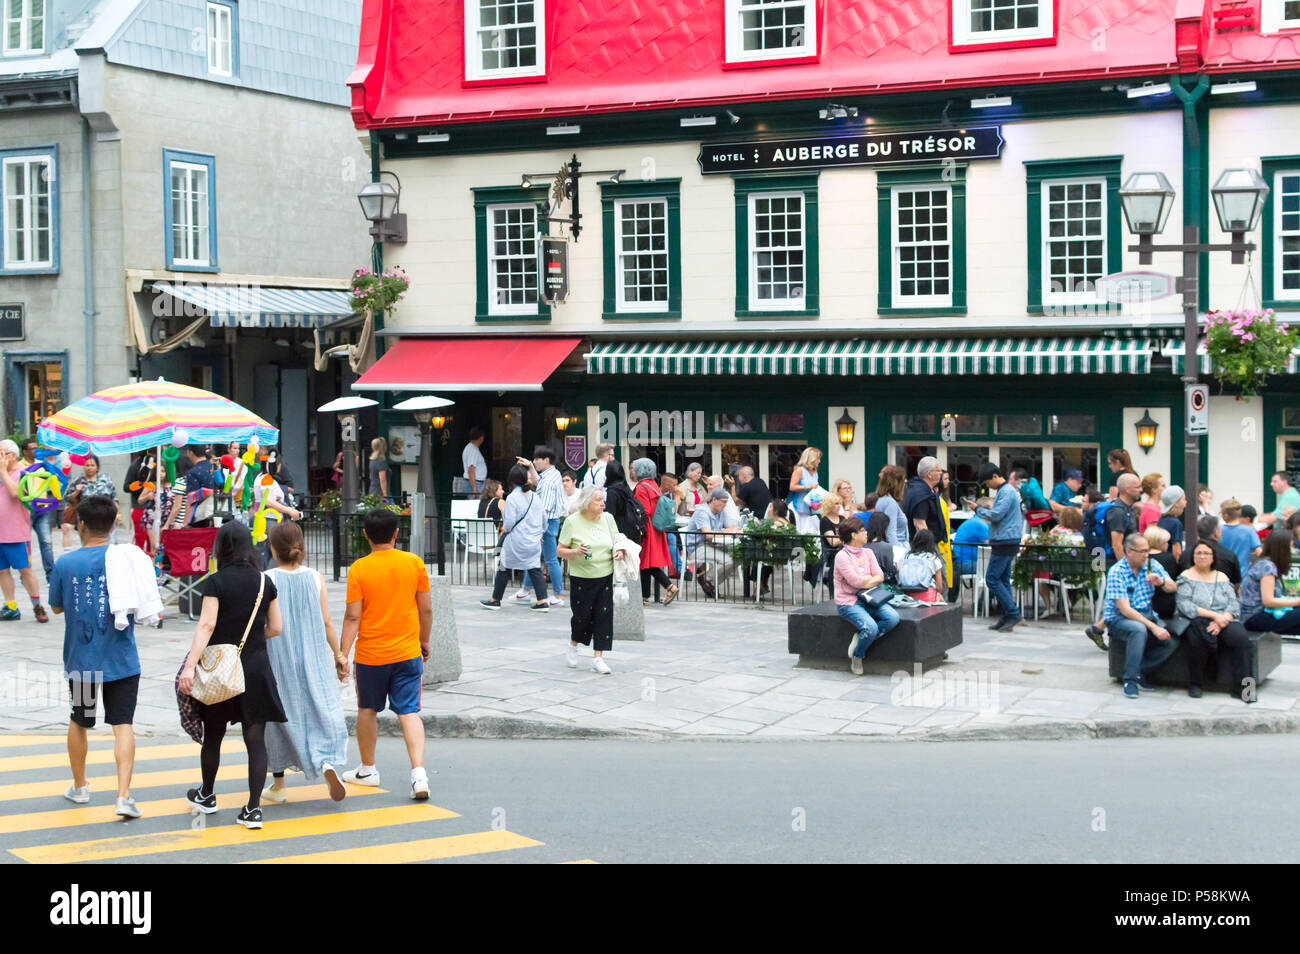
(229, 596)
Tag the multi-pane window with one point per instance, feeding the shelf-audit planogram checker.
(1287, 271)
(504, 38)
(24, 27)
(190, 214)
(922, 246)
(1291, 13)
(219, 39)
(770, 29)
(776, 229)
(1074, 237)
(642, 254)
(512, 259)
(983, 21)
(28, 216)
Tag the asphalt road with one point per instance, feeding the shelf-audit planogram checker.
(1127, 801)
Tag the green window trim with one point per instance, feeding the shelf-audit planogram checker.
(1270, 166)
(671, 192)
(485, 196)
(1036, 173)
(745, 186)
(951, 175)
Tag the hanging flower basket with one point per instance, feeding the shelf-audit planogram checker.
(1248, 345)
(378, 292)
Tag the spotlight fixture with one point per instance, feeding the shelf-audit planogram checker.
(686, 121)
(732, 116)
(1245, 86)
(1148, 89)
(988, 101)
(432, 137)
(564, 129)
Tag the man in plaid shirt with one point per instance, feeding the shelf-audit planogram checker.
(1130, 584)
(550, 495)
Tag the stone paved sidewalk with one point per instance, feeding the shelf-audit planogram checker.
(711, 670)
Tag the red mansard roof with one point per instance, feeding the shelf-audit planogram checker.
(615, 55)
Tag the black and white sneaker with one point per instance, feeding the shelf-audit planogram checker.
(490, 604)
(250, 817)
(206, 804)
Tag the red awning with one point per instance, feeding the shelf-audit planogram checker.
(467, 364)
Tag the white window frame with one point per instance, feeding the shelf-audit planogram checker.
(621, 304)
(219, 42)
(495, 307)
(1272, 18)
(777, 304)
(898, 299)
(1068, 297)
(735, 48)
(194, 230)
(27, 201)
(963, 35)
(1280, 293)
(473, 52)
(24, 20)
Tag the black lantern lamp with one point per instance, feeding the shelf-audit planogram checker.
(846, 426)
(1146, 432)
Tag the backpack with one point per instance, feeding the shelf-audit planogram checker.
(915, 573)
(665, 515)
(1094, 531)
(631, 519)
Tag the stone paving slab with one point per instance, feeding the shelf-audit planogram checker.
(709, 670)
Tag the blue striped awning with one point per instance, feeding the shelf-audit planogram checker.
(256, 306)
(876, 356)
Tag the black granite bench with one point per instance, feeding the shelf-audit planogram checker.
(923, 635)
(1266, 656)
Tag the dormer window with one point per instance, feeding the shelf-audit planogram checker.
(761, 30)
(1002, 21)
(504, 39)
(1275, 15)
(24, 27)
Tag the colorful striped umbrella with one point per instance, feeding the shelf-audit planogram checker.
(135, 417)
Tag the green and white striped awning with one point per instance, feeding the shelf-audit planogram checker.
(875, 356)
(1174, 350)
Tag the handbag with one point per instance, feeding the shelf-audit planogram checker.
(876, 596)
(220, 675)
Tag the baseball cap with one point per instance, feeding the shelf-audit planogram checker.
(1074, 474)
(1173, 493)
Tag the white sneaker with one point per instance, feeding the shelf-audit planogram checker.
(79, 795)
(337, 790)
(522, 595)
(126, 807)
(599, 665)
(276, 795)
(856, 666)
(419, 786)
(555, 601)
(356, 778)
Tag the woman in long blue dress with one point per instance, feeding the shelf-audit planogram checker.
(308, 668)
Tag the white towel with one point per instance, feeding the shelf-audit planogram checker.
(132, 586)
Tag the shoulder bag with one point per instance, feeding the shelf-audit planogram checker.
(220, 675)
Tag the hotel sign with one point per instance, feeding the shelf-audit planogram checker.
(868, 149)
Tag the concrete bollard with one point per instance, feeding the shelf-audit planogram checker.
(629, 614)
(443, 664)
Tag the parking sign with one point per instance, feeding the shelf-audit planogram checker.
(1198, 410)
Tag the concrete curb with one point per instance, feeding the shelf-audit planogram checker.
(438, 726)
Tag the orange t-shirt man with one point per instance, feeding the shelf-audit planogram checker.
(385, 583)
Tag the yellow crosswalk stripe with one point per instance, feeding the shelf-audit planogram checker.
(143, 753)
(176, 805)
(584, 861)
(107, 781)
(15, 741)
(230, 833)
(425, 849)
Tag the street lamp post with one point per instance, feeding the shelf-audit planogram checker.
(347, 408)
(1147, 199)
(421, 408)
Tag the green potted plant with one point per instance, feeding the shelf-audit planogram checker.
(373, 292)
(767, 544)
(1248, 345)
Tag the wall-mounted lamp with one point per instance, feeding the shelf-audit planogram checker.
(846, 426)
(562, 422)
(379, 204)
(1146, 432)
